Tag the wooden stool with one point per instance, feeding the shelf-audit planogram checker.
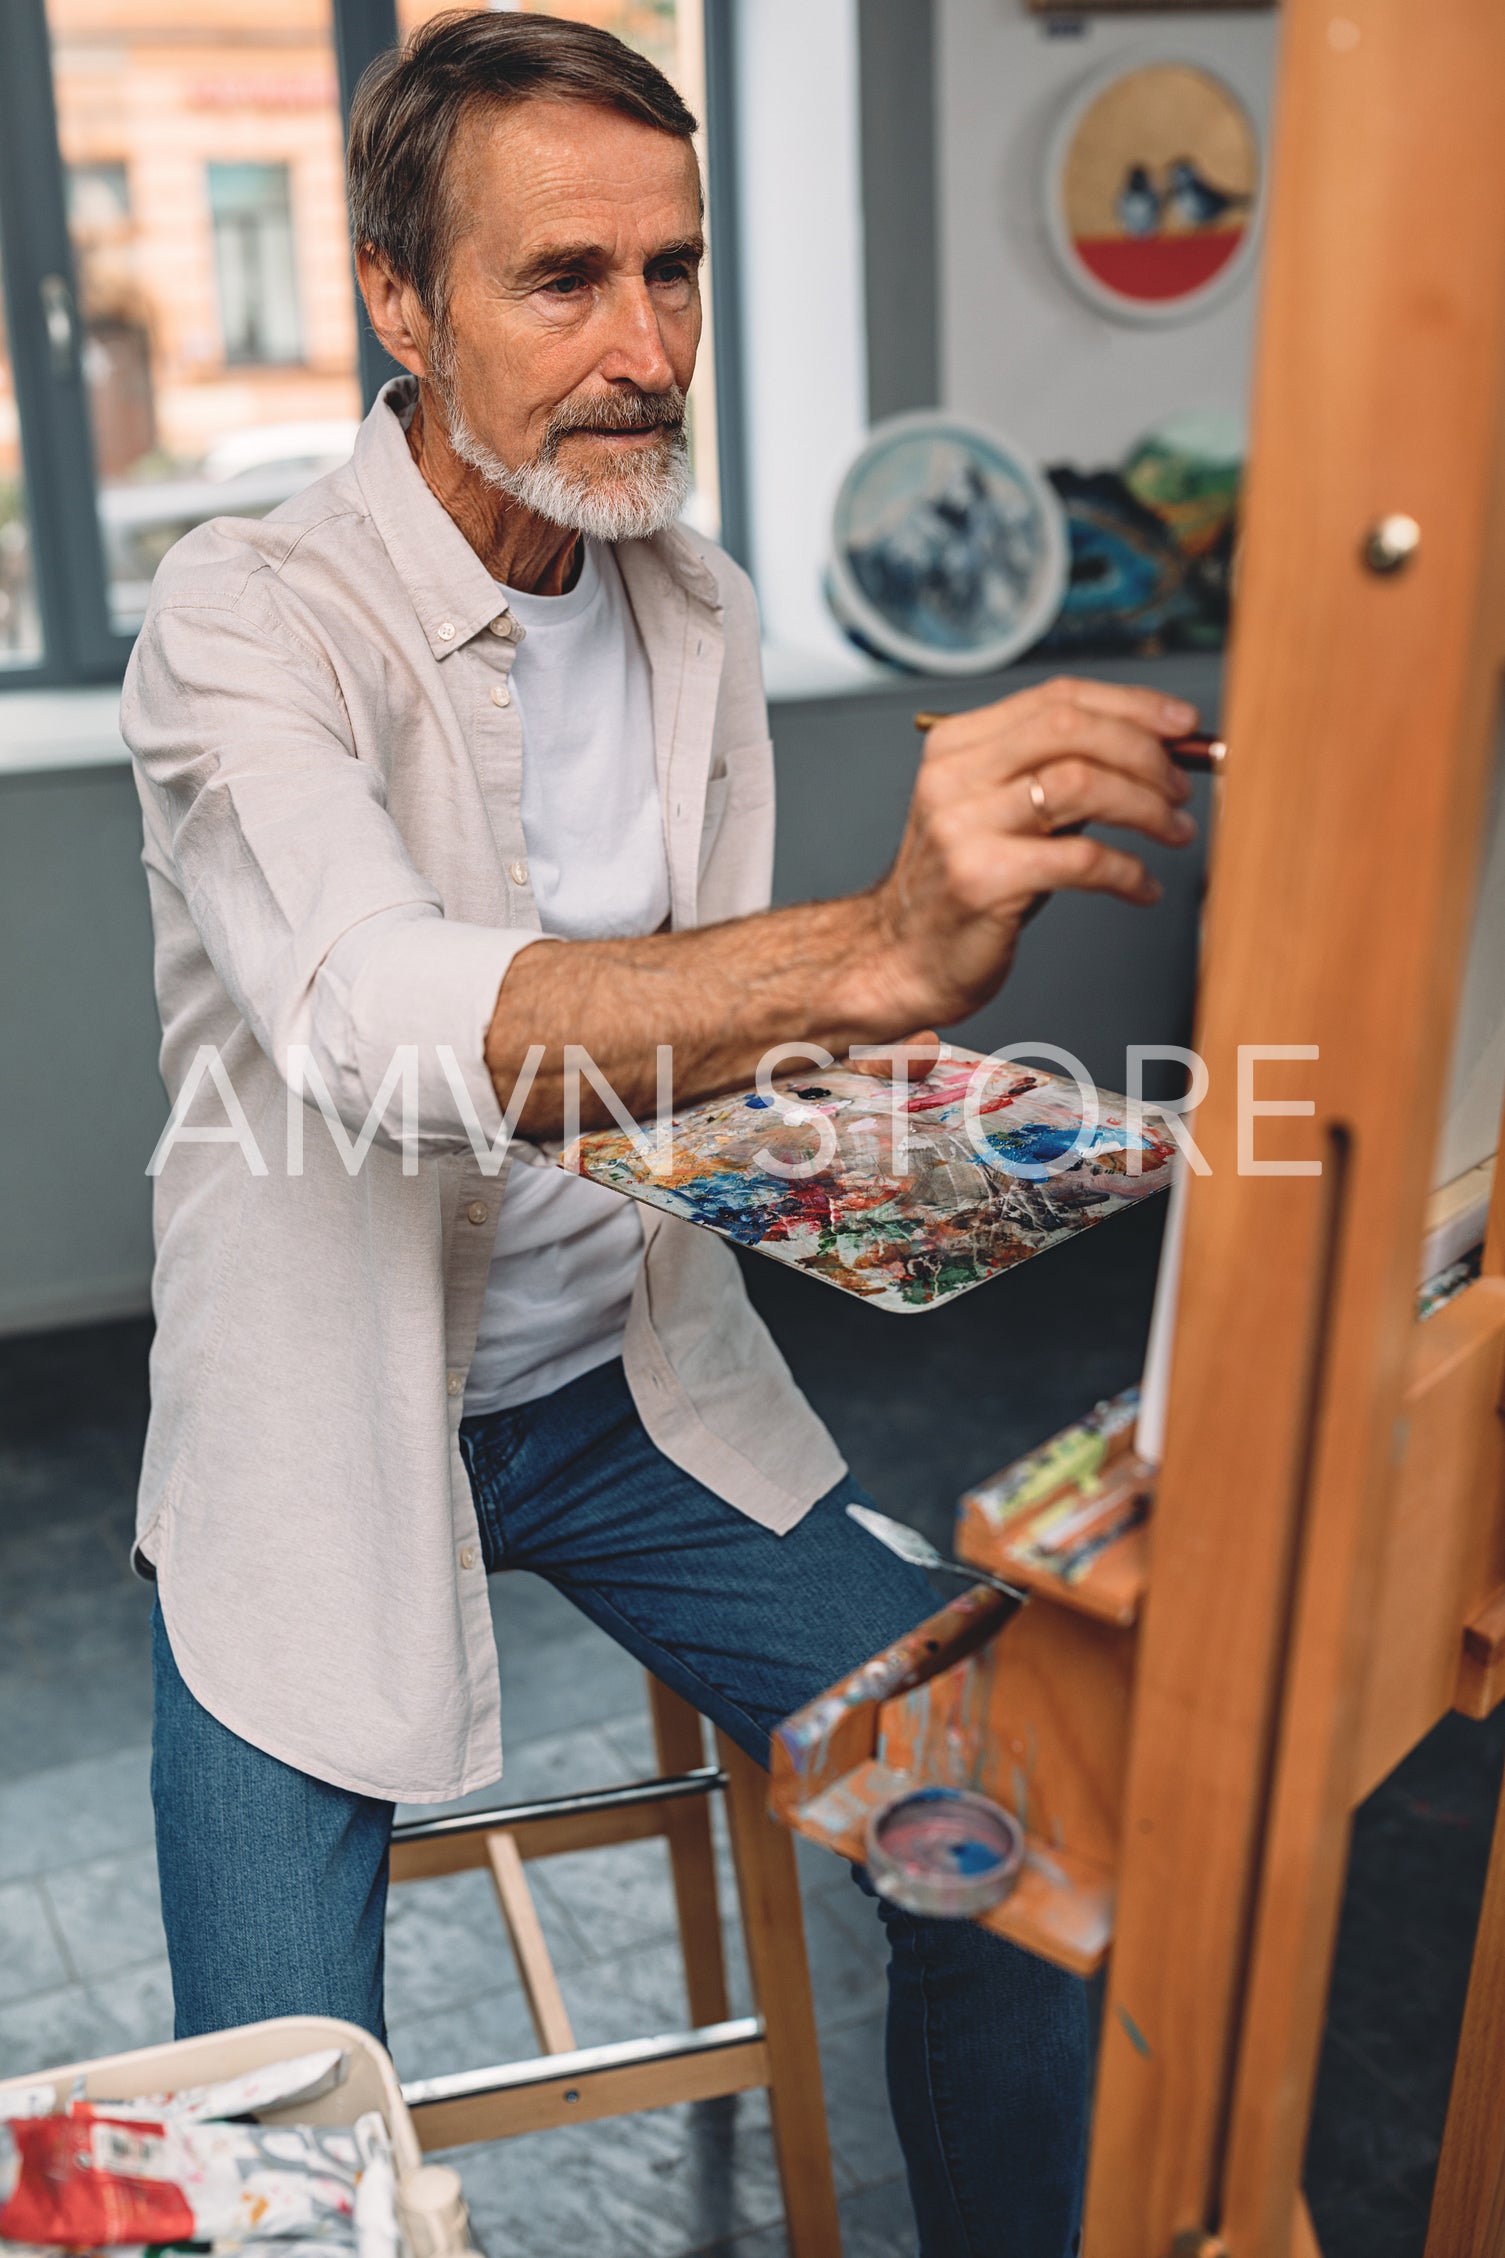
(775, 2047)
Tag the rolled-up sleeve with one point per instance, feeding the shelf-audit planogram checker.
(325, 935)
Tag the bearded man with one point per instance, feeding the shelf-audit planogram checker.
(458, 758)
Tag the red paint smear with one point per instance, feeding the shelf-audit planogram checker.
(1157, 267)
(806, 1200)
(929, 1096)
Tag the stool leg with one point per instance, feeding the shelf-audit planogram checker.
(540, 1984)
(774, 1928)
(680, 1741)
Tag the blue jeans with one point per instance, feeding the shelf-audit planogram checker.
(274, 1883)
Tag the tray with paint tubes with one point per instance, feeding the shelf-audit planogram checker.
(904, 1195)
(1004, 1715)
(291, 2136)
(977, 1765)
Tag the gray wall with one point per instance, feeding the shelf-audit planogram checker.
(80, 1102)
(896, 63)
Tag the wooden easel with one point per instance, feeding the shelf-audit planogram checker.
(1324, 1575)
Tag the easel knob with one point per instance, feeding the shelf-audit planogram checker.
(1390, 544)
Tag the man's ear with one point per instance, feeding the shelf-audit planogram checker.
(395, 313)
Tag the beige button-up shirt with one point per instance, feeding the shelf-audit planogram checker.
(333, 842)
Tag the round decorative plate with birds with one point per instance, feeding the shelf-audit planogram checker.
(1152, 195)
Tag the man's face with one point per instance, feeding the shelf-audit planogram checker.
(574, 310)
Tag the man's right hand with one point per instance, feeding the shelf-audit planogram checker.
(995, 788)
(921, 949)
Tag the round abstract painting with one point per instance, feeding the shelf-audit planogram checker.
(1153, 190)
(949, 550)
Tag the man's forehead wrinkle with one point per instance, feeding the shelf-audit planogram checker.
(567, 134)
(516, 198)
(531, 166)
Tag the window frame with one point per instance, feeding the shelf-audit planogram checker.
(80, 646)
(723, 200)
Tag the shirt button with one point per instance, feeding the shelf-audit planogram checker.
(445, 631)
(500, 694)
(502, 626)
(467, 1556)
(457, 1383)
(518, 873)
(477, 1211)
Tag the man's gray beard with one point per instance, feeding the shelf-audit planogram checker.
(645, 496)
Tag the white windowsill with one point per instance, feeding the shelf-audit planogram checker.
(42, 730)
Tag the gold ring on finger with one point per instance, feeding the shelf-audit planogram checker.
(1038, 801)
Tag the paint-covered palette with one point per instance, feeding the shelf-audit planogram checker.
(904, 1197)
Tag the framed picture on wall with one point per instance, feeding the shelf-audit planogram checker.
(1152, 189)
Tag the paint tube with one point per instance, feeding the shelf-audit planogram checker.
(87, 2177)
(1074, 1457)
(275, 2085)
(1075, 1564)
(28, 2101)
(376, 2190)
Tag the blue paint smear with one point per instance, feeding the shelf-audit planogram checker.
(757, 1105)
(973, 1857)
(969, 1856)
(742, 1209)
(1029, 1147)
(1037, 1141)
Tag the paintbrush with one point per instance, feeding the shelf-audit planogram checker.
(911, 1546)
(1197, 750)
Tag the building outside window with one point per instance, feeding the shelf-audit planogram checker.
(210, 310)
(206, 205)
(251, 210)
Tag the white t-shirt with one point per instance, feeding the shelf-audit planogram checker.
(567, 1251)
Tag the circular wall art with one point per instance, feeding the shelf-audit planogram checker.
(948, 547)
(1153, 190)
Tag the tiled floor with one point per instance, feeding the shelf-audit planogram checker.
(920, 1409)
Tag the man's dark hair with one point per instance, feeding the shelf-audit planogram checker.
(412, 102)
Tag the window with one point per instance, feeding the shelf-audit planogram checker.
(655, 27)
(179, 289)
(182, 315)
(20, 625)
(253, 262)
